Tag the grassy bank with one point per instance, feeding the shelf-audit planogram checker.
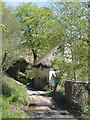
(14, 99)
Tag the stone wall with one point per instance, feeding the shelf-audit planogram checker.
(76, 92)
(41, 76)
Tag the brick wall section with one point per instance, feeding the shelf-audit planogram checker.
(76, 92)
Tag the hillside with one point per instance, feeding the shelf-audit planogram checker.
(14, 98)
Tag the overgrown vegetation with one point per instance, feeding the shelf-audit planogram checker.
(14, 99)
(85, 109)
(21, 71)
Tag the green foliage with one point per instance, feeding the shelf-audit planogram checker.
(87, 87)
(6, 90)
(85, 109)
(21, 71)
(63, 67)
(47, 88)
(48, 91)
(64, 72)
(14, 99)
(74, 39)
(61, 89)
(10, 89)
(12, 110)
(2, 26)
(21, 77)
(29, 72)
(27, 76)
(37, 28)
(10, 36)
(17, 70)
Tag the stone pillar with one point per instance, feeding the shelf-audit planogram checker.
(76, 92)
(68, 91)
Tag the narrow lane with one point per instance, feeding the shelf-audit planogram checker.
(42, 107)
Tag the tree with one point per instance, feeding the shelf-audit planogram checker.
(10, 36)
(74, 17)
(88, 42)
(38, 28)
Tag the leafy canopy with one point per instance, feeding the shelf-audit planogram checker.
(38, 27)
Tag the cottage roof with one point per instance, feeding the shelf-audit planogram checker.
(47, 57)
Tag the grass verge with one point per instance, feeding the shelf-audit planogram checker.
(14, 99)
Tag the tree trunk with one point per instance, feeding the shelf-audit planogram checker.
(74, 75)
(88, 41)
(34, 56)
(74, 71)
(5, 56)
(73, 60)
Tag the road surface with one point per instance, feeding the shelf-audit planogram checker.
(43, 107)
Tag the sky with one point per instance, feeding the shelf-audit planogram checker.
(39, 3)
(15, 3)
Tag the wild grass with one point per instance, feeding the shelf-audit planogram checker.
(14, 99)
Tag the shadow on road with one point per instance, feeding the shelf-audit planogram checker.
(44, 106)
(61, 102)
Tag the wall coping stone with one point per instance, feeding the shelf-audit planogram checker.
(87, 82)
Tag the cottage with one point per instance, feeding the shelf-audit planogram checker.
(44, 73)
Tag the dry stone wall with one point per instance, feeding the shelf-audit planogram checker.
(76, 92)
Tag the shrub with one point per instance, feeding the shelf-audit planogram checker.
(6, 90)
(47, 88)
(19, 65)
(13, 90)
(22, 77)
(85, 108)
(61, 89)
(21, 71)
(29, 72)
(14, 97)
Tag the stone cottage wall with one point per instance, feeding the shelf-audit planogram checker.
(41, 76)
(76, 92)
